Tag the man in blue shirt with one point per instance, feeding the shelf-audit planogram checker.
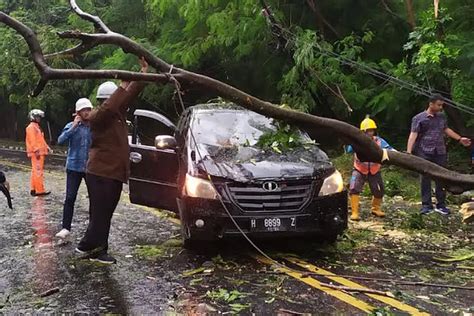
(77, 135)
(427, 140)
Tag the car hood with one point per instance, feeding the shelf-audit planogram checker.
(246, 164)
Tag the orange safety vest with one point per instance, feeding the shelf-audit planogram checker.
(35, 140)
(368, 167)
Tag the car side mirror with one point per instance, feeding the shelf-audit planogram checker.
(165, 142)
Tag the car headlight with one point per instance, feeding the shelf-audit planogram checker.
(332, 184)
(199, 188)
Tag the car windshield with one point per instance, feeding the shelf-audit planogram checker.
(231, 128)
(233, 135)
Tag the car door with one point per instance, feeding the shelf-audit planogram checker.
(153, 172)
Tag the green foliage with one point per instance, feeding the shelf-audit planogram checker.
(436, 47)
(401, 182)
(226, 296)
(318, 76)
(153, 252)
(285, 138)
(232, 41)
(414, 221)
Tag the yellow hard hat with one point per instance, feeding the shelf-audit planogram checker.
(367, 123)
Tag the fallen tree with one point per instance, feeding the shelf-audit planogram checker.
(168, 74)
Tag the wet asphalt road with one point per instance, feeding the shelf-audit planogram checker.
(154, 274)
(34, 262)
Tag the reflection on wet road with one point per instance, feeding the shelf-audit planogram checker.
(45, 258)
(40, 273)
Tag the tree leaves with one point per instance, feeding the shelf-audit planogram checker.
(231, 40)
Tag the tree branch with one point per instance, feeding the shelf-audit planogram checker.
(77, 50)
(123, 42)
(338, 94)
(31, 40)
(363, 145)
(319, 15)
(47, 73)
(389, 10)
(89, 17)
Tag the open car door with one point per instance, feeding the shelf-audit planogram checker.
(153, 172)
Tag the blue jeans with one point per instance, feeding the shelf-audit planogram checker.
(440, 192)
(73, 181)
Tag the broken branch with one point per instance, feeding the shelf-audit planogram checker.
(366, 149)
(98, 23)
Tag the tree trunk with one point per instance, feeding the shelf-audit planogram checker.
(411, 14)
(436, 8)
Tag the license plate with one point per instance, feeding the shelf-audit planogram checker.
(273, 224)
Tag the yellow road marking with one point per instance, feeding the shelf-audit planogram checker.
(387, 300)
(316, 284)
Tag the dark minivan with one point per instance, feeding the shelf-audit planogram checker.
(210, 169)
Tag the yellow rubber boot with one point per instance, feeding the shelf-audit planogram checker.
(377, 207)
(355, 207)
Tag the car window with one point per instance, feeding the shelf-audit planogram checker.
(148, 129)
(233, 136)
(231, 128)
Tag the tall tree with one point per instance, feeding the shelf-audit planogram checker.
(363, 145)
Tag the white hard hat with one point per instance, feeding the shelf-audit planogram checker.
(35, 113)
(83, 103)
(106, 89)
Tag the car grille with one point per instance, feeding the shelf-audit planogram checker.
(288, 196)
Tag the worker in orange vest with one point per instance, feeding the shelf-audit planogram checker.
(367, 171)
(36, 149)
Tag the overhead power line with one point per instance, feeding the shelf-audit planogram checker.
(278, 30)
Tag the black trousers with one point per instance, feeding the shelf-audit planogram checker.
(104, 195)
(440, 192)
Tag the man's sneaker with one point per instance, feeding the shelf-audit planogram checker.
(63, 233)
(103, 258)
(426, 210)
(443, 210)
(33, 193)
(82, 251)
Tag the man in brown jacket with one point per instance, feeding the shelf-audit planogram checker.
(108, 165)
